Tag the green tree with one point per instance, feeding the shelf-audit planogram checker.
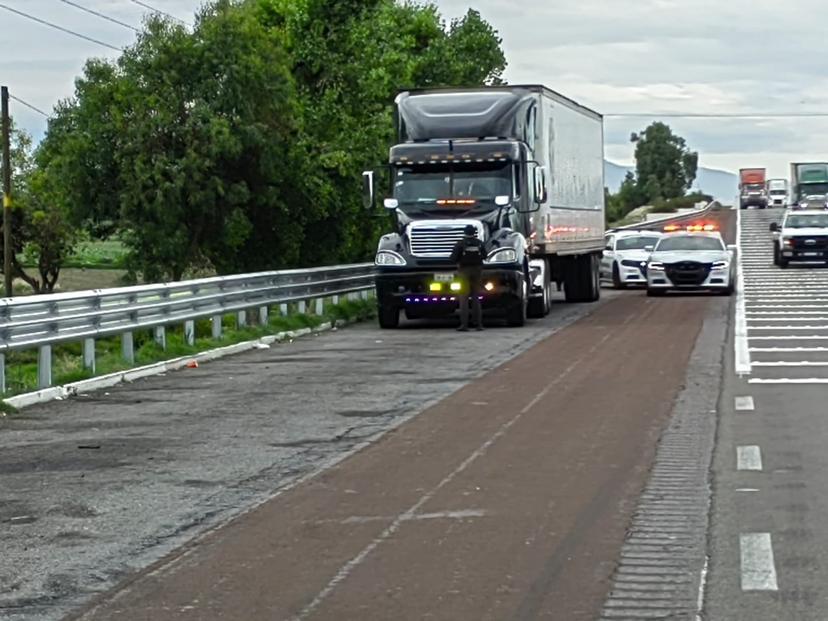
(41, 232)
(665, 166)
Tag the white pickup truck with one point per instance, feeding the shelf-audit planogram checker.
(801, 237)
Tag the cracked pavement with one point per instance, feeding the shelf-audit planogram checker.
(99, 486)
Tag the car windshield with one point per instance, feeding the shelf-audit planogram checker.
(689, 242)
(636, 243)
(425, 185)
(807, 221)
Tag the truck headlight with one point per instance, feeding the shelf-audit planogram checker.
(502, 255)
(655, 266)
(388, 257)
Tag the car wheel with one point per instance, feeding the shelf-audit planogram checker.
(783, 263)
(775, 254)
(388, 317)
(616, 277)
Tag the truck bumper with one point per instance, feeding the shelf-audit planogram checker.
(413, 290)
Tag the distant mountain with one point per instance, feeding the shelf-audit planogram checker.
(720, 184)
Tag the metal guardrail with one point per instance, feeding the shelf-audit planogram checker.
(43, 321)
(658, 223)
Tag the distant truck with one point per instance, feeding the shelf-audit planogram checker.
(777, 192)
(752, 191)
(808, 179)
(524, 166)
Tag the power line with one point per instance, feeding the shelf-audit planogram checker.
(61, 28)
(723, 115)
(101, 15)
(154, 10)
(28, 105)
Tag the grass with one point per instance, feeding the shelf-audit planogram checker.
(98, 255)
(67, 361)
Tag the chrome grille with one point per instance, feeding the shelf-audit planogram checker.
(436, 239)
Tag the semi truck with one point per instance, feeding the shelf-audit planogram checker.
(752, 191)
(808, 179)
(524, 166)
(777, 192)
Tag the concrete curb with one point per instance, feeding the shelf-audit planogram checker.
(57, 393)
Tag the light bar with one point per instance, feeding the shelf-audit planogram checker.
(456, 201)
(692, 228)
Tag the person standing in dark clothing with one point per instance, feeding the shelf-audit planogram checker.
(468, 254)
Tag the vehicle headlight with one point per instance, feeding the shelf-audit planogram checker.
(388, 257)
(787, 241)
(502, 255)
(656, 266)
(719, 265)
(632, 263)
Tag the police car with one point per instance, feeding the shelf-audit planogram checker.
(802, 237)
(694, 258)
(625, 257)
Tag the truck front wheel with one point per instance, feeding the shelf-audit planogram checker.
(388, 316)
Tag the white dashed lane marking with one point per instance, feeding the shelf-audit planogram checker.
(758, 569)
(749, 458)
(744, 404)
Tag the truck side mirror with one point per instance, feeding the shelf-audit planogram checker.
(774, 227)
(369, 199)
(540, 184)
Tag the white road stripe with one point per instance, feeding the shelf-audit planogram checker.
(748, 458)
(743, 404)
(796, 316)
(789, 337)
(778, 312)
(788, 328)
(758, 570)
(789, 349)
(740, 340)
(783, 363)
(790, 380)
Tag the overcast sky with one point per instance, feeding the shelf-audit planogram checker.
(704, 56)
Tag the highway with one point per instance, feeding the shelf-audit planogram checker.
(638, 458)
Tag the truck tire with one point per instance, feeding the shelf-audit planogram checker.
(581, 280)
(516, 314)
(388, 317)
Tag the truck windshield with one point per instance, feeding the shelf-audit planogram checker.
(754, 187)
(803, 221)
(778, 192)
(425, 185)
(807, 189)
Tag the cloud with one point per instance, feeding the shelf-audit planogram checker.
(705, 56)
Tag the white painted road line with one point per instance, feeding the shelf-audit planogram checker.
(789, 337)
(748, 458)
(784, 363)
(744, 404)
(758, 570)
(741, 353)
(790, 350)
(790, 380)
(788, 327)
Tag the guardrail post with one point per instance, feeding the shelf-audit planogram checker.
(241, 319)
(335, 300)
(283, 309)
(302, 307)
(216, 321)
(128, 347)
(2, 374)
(263, 315)
(89, 355)
(364, 294)
(161, 337)
(44, 366)
(320, 306)
(189, 332)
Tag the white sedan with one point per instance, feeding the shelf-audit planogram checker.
(625, 257)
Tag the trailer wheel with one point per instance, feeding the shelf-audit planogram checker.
(388, 317)
(582, 280)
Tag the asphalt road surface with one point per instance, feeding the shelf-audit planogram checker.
(769, 541)
(559, 471)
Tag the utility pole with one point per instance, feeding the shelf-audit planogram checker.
(7, 192)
